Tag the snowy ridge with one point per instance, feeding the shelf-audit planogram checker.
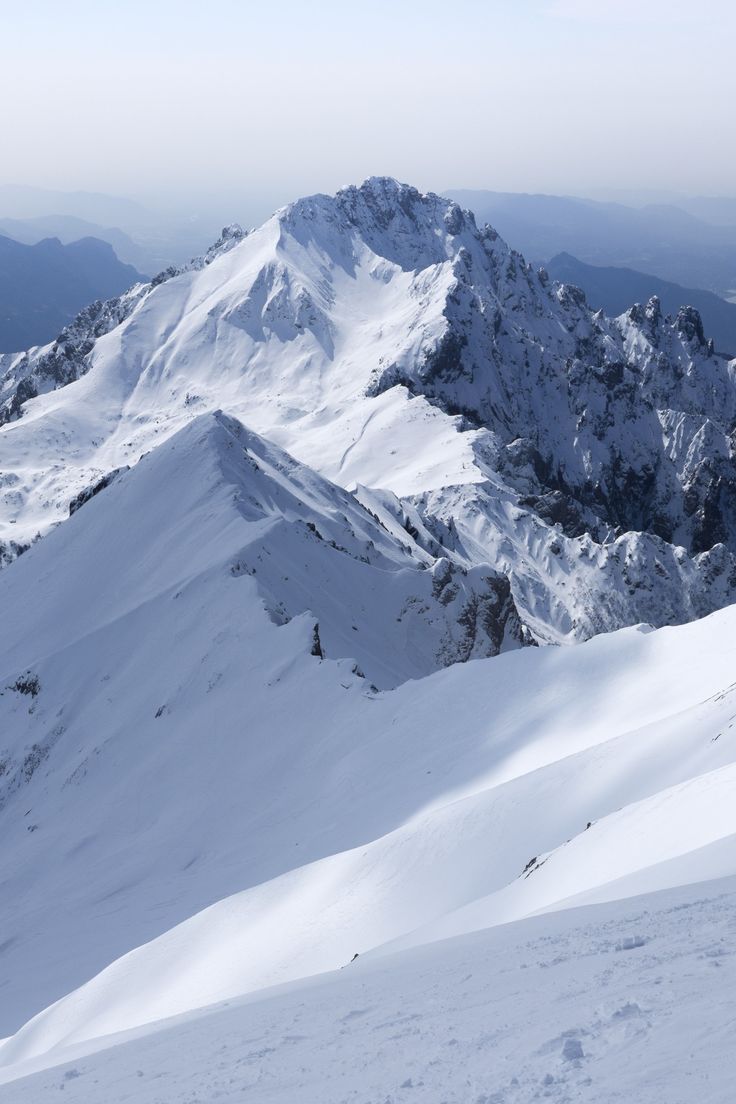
(26, 375)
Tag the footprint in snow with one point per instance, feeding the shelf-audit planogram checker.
(631, 943)
(572, 1051)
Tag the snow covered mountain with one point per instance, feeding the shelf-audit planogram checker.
(265, 699)
(385, 341)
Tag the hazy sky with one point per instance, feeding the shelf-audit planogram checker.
(282, 98)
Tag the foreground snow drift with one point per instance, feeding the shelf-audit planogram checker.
(623, 1002)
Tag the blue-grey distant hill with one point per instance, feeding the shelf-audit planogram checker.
(68, 229)
(659, 239)
(616, 289)
(43, 286)
(149, 240)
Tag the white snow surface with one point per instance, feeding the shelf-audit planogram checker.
(192, 797)
(631, 1001)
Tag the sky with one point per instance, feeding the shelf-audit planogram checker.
(175, 99)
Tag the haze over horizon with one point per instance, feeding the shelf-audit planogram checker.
(183, 104)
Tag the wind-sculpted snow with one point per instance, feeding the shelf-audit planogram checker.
(386, 341)
(628, 1001)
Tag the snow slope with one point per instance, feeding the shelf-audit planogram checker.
(176, 747)
(630, 1001)
(160, 644)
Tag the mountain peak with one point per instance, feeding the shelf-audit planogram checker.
(690, 325)
(389, 202)
(384, 340)
(397, 221)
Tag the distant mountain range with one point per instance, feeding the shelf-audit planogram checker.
(69, 228)
(44, 286)
(23, 201)
(614, 290)
(659, 239)
(149, 240)
(687, 240)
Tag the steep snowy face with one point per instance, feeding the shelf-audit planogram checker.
(386, 341)
(571, 587)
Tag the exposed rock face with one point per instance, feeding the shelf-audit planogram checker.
(24, 376)
(89, 492)
(629, 419)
